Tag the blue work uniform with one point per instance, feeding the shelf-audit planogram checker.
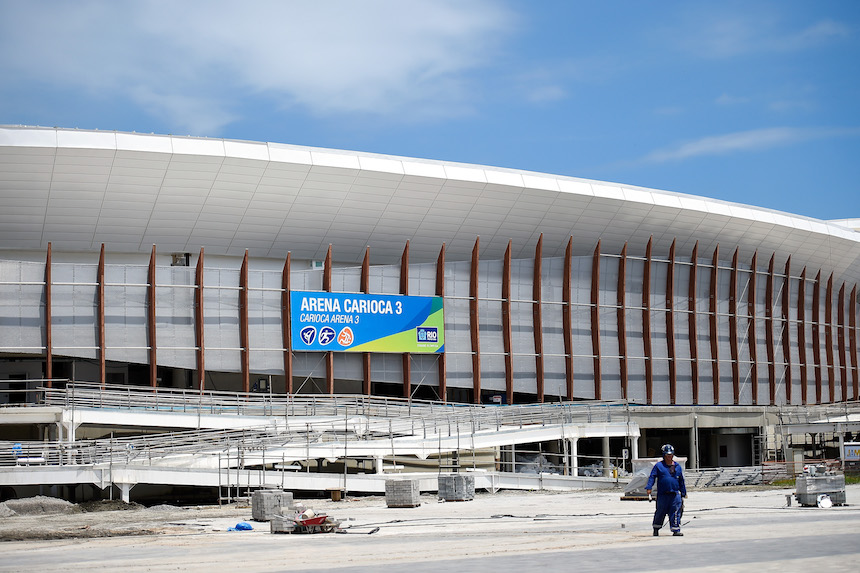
(670, 490)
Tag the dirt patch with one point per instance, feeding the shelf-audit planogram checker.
(108, 505)
(51, 518)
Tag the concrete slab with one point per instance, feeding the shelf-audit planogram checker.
(742, 529)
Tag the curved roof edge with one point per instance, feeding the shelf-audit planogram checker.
(55, 137)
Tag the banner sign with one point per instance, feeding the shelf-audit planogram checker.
(350, 322)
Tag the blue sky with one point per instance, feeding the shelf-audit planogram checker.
(753, 101)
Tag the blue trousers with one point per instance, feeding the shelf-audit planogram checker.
(668, 504)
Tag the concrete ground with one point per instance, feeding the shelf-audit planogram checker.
(739, 530)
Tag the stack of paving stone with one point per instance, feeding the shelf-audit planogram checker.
(402, 493)
(457, 487)
(281, 524)
(266, 503)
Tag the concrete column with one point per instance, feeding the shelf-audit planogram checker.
(607, 470)
(842, 449)
(574, 457)
(634, 447)
(693, 461)
(125, 488)
(378, 465)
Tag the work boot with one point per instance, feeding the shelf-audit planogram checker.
(656, 532)
(678, 534)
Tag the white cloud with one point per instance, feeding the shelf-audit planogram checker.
(190, 61)
(745, 141)
(719, 34)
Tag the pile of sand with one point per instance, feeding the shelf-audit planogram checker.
(39, 505)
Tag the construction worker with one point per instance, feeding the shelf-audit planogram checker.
(670, 491)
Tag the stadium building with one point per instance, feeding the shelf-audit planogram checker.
(206, 264)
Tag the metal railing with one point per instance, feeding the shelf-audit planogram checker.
(301, 419)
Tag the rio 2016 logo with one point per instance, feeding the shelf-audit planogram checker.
(427, 334)
(346, 337)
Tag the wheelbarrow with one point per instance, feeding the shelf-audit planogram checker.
(320, 523)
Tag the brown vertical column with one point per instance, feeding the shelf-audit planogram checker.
(622, 319)
(828, 339)
(404, 290)
(537, 317)
(843, 368)
(198, 323)
(816, 334)
(751, 339)
(440, 291)
(100, 279)
(49, 343)
(595, 319)
(507, 331)
(474, 325)
(329, 355)
(768, 331)
(244, 338)
(692, 325)
(733, 328)
(286, 322)
(801, 335)
(712, 309)
(852, 336)
(566, 321)
(670, 325)
(150, 323)
(365, 356)
(786, 328)
(646, 323)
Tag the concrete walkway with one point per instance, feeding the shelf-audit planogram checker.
(747, 530)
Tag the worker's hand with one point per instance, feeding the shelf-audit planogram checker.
(648, 491)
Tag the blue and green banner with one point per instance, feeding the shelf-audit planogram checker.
(350, 322)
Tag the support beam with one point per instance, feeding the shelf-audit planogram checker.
(244, 337)
(537, 320)
(852, 336)
(404, 290)
(595, 319)
(473, 323)
(768, 331)
(713, 336)
(566, 320)
(843, 367)
(49, 343)
(622, 319)
(801, 337)
(751, 337)
(100, 280)
(440, 291)
(329, 356)
(150, 323)
(816, 334)
(828, 339)
(286, 320)
(692, 330)
(786, 329)
(733, 329)
(507, 331)
(198, 323)
(670, 325)
(646, 323)
(366, 356)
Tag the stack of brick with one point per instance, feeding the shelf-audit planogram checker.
(402, 493)
(457, 487)
(266, 503)
(281, 524)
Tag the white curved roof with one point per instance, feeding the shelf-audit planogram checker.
(79, 189)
